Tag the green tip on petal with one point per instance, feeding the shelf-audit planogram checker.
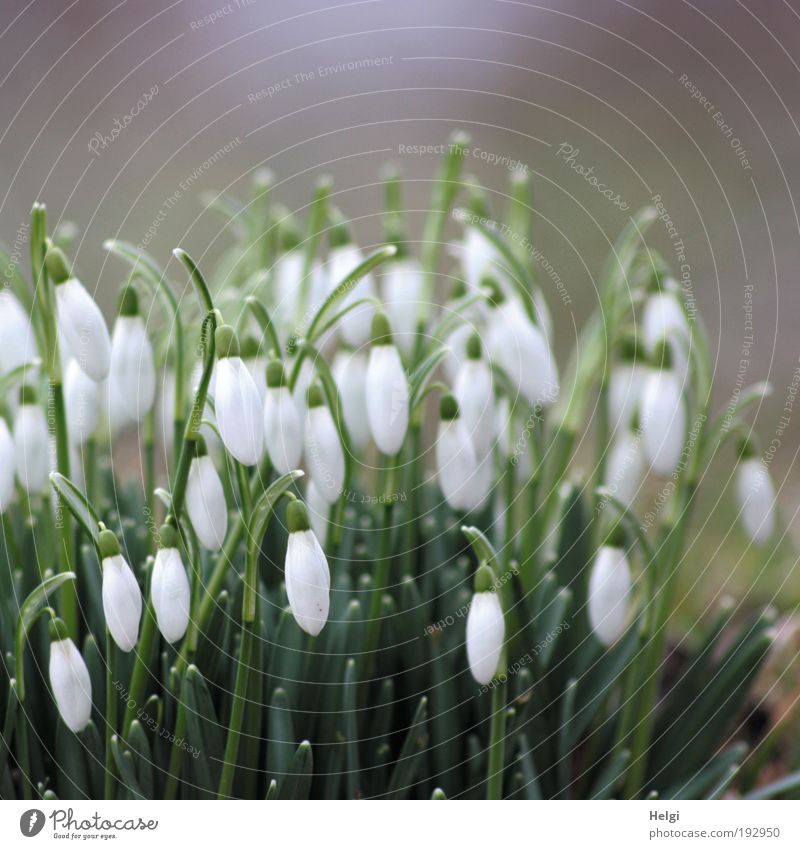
(57, 265)
(28, 394)
(226, 342)
(128, 301)
(381, 329)
(108, 544)
(276, 375)
(249, 349)
(58, 630)
(662, 356)
(168, 536)
(297, 517)
(448, 408)
(474, 347)
(495, 293)
(314, 396)
(747, 448)
(484, 579)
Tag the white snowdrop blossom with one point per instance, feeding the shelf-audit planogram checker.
(308, 579)
(609, 594)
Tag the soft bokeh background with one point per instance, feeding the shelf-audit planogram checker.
(609, 78)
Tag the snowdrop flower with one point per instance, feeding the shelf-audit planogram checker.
(19, 340)
(308, 579)
(8, 465)
(350, 373)
(133, 372)
(486, 628)
(255, 358)
(288, 278)
(473, 391)
(343, 259)
(387, 389)
(240, 416)
(625, 386)
(323, 449)
(626, 466)
(69, 679)
(169, 588)
(205, 500)
(282, 429)
(79, 319)
(609, 593)
(664, 320)
(300, 392)
(663, 417)
(456, 341)
(455, 459)
(755, 493)
(519, 347)
(31, 442)
(82, 403)
(402, 285)
(122, 599)
(479, 257)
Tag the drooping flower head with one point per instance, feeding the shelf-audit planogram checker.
(69, 679)
(308, 579)
(486, 628)
(387, 389)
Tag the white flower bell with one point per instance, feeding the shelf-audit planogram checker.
(626, 466)
(323, 449)
(387, 389)
(81, 403)
(474, 393)
(122, 598)
(169, 588)
(31, 442)
(662, 416)
(132, 368)
(8, 466)
(343, 259)
(308, 579)
(609, 593)
(486, 628)
(755, 493)
(282, 427)
(350, 373)
(69, 679)
(402, 285)
(240, 417)
(456, 462)
(205, 500)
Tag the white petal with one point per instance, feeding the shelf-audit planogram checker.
(170, 592)
(132, 367)
(7, 466)
(474, 393)
(663, 421)
(626, 467)
(205, 503)
(350, 372)
(625, 392)
(456, 464)
(19, 340)
(239, 413)
(71, 684)
(355, 326)
(165, 412)
(609, 593)
(83, 326)
(122, 601)
(308, 581)
(387, 398)
(81, 402)
(288, 285)
(663, 319)
(486, 631)
(402, 289)
(756, 495)
(32, 446)
(282, 430)
(304, 379)
(323, 453)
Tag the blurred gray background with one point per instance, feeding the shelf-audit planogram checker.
(696, 102)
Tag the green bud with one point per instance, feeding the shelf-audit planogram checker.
(108, 544)
(484, 579)
(381, 329)
(58, 630)
(226, 342)
(28, 394)
(448, 408)
(662, 355)
(56, 263)
(297, 517)
(128, 301)
(474, 347)
(249, 348)
(314, 396)
(276, 375)
(748, 448)
(168, 535)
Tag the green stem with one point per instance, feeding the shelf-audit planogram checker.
(141, 668)
(175, 756)
(111, 714)
(24, 753)
(497, 740)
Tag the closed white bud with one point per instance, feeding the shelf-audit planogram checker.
(81, 403)
(350, 372)
(756, 496)
(8, 466)
(132, 367)
(282, 428)
(240, 416)
(323, 449)
(84, 328)
(19, 340)
(31, 443)
(205, 503)
(308, 578)
(456, 462)
(122, 601)
(625, 392)
(663, 421)
(387, 394)
(170, 593)
(486, 630)
(474, 392)
(70, 683)
(609, 594)
(626, 466)
(663, 320)
(402, 289)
